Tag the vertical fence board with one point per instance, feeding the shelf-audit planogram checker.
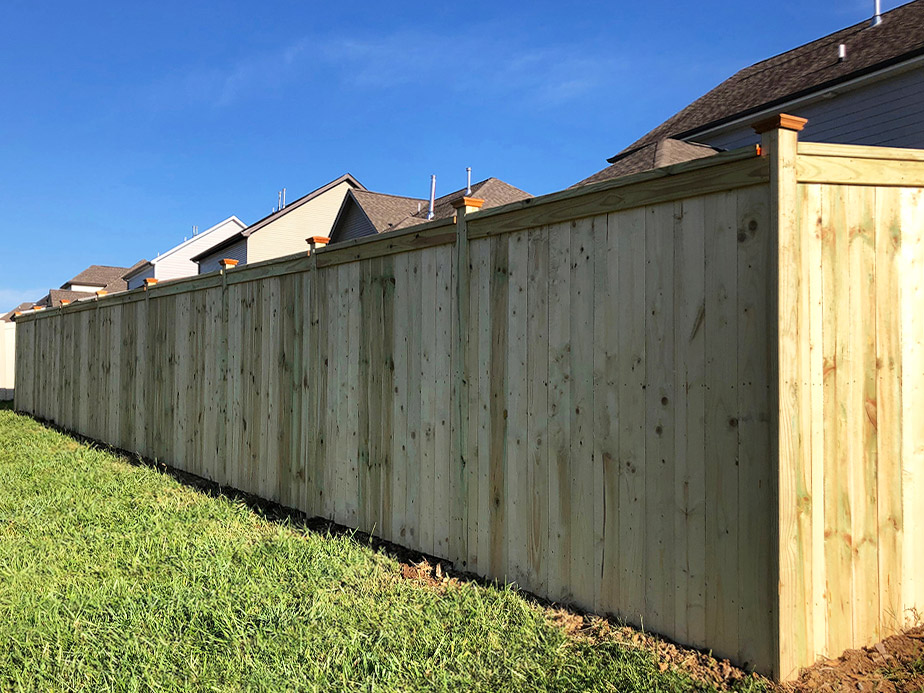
(624, 376)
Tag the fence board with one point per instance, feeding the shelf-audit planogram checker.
(597, 421)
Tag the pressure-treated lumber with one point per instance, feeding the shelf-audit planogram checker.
(689, 398)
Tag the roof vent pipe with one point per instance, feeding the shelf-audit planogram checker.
(877, 14)
(841, 53)
(283, 198)
(468, 177)
(432, 196)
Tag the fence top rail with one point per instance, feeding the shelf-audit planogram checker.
(846, 164)
(598, 197)
(859, 151)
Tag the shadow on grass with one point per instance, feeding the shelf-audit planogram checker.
(6, 404)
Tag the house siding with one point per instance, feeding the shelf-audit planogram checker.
(176, 263)
(137, 280)
(286, 235)
(353, 224)
(212, 263)
(888, 113)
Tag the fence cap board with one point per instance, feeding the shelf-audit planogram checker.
(425, 235)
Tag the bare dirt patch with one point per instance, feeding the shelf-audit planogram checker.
(895, 665)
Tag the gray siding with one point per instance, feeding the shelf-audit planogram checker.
(138, 279)
(237, 251)
(887, 113)
(353, 224)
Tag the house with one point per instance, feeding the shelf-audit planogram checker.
(366, 213)
(178, 261)
(7, 358)
(860, 85)
(86, 284)
(284, 231)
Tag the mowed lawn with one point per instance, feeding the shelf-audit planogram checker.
(115, 576)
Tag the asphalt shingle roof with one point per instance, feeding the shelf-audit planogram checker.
(388, 212)
(655, 155)
(808, 68)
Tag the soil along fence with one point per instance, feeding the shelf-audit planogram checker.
(691, 398)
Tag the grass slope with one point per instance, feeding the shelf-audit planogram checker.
(116, 577)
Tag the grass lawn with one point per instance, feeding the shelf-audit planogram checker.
(115, 576)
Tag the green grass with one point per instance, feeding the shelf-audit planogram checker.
(114, 576)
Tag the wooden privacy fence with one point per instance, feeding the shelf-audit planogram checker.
(691, 398)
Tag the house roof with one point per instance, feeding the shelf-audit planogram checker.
(8, 317)
(98, 275)
(54, 297)
(384, 211)
(270, 218)
(655, 155)
(391, 212)
(796, 73)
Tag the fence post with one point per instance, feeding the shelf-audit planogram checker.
(311, 421)
(462, 277)
(794, 644)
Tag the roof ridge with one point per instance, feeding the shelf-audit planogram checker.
(398, 197)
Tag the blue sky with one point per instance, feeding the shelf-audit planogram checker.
(125, 124)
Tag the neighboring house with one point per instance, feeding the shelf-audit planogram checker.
(873, 95)
(94, 278)
(7, 357)
(8, 350)
(8, 317)
(178, 261)
(284, 231)
(366, 213)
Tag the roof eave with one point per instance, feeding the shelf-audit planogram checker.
(885, 65)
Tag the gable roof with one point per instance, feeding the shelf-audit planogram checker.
(655, 155)
(270, 218)
(54, 297)
(265, 221)
(8, 317)
(145, 264)
(384, 211)
(796, 73)
(391, 212)
(98, 275)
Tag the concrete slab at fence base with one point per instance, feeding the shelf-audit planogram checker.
(690, 398)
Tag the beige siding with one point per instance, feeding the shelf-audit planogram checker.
(7, 358)
(286, 235)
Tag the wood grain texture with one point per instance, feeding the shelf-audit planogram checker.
(690, 399)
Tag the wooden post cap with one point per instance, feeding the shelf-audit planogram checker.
(150, 281)
(65, 302)
(101, 292)
(318, 240)
(37, 307)
(781, 121)
(227, 263)
(475, 202)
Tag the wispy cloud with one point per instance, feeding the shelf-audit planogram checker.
(419, 63)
